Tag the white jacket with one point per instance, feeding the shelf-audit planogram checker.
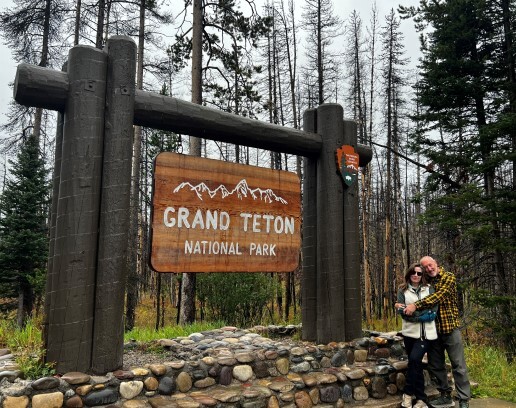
(426, 330)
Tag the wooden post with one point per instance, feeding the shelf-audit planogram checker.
(70, 327)
(108, 338)
(309, 260)
(352, 291)
(330, 234)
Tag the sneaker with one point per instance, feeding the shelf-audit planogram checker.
(463, 404)
(420, 404)
(443, 401)
(406, 401)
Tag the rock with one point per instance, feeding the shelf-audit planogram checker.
(360, 356)
(16, 402)
(75, 377)
(392, 389)
(140, 372)
(227, 361)
(177, 365)
(287, 397)
(123, 375)
(303, 400)
(205, 382)
(261, 370)
(227, 395)
(135, 404)
(283, 365)
(160, 402)
(339, 359)
(158, 369)
(281, 384)
(243, 372)
(84, 389)
(244, 357)
(151, 384)
(45, 383)
(315, 396)
(74, 402)
(329, 394)
(378, 388)
(346, 393)
(355, 374)
(166, 386)
(325, 378)
(102, 397)
(360, 393)
(303, 367)
(10, 375)
(49, 400)
(273, 402)
(205, 400)
(226, 375)
(130, 389)
(381, 369)
(383, 352)
(183, 382)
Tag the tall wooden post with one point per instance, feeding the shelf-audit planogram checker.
(309, 259)
(108, 335)
(351, 250)
(330, 235)
(71, 311)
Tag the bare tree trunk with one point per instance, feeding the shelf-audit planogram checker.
(187, 305)
(132, 259)
(100, 24)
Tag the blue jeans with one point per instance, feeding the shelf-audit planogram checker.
(416, 349)
(454, 347)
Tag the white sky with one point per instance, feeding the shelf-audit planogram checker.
(342, 8)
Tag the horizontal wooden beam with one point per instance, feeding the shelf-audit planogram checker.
(47, 88)
(167, 113)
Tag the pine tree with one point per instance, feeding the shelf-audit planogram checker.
(468, 135)
(23, 231)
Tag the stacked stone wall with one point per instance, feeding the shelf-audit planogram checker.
(230, 368)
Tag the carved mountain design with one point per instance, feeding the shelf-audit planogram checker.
(242, 190)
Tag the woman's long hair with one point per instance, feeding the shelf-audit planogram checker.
(409, 272)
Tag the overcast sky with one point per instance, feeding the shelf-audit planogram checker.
(343, 8)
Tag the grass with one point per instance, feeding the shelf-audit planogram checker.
(488, 367)
(147, 334)
(27, 346)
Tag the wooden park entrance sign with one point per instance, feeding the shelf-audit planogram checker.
(214, 216)
(98, 106)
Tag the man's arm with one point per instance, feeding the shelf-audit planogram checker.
(447, 288)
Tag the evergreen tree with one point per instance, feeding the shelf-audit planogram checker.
(467, 134)
(23, 231)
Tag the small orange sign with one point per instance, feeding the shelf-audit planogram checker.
(347, 163)
(214, 216)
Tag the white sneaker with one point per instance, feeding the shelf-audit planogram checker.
(406, 401)
(420, 404)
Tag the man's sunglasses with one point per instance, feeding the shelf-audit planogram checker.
(417, 273)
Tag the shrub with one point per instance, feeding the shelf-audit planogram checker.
(239, 299)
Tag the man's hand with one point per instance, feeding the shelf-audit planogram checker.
(399, 306)
(410, 309)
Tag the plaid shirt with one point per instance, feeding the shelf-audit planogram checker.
(445, 295)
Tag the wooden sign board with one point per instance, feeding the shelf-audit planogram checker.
(213, 216)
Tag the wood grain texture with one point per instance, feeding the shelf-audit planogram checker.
(257, 238)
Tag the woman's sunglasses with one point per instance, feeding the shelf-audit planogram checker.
(417, 273)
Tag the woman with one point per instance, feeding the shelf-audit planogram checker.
(418, 332)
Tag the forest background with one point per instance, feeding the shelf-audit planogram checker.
(443, 133)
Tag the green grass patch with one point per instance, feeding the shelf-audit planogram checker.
(26, 344)
(489, 368)
(146, 334)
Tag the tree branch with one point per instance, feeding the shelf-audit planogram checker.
(428, 168)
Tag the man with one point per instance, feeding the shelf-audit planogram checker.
(449, 336)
